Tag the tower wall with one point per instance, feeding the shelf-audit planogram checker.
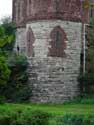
(53, 79)
(31, 10)
(21, 40)
(49, 33)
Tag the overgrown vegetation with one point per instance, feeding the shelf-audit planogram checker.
(25, 118)
(87, 80)
(84, 98)
(13, 75)
(75, 119)
(46, 114)
(9, 30)
(18, 80)
(4, 69)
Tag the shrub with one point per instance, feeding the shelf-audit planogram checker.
(73, 119)
(39, 118)
(2, 100)
(25, 118)
(7, 120)
(91, 21)
(34, 118)
(87, 82)
(4, 71)
(84, 98)
(18, 81)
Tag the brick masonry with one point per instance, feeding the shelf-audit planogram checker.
(31, 10)
(53, 79)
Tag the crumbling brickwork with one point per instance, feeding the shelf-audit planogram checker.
(28, 10)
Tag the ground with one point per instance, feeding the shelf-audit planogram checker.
(55, 110)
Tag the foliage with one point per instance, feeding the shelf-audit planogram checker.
(39, 118)
(18, 81)
(17, 62)
(82, 99)
(35, 117)
(89, 76)
(13, 75)
(74, 119)
(91, 21)
(25, 118)
(4, 72)
(13, 78)
(22, 114)
(6, 120)
(87, 80)
(4, 76)
(9, 33)
(6, 38)
(2, 100)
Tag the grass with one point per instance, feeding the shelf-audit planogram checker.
(55, 110)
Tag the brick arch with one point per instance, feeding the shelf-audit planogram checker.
(58, 42)
(30, 41)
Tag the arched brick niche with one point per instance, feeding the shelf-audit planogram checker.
(30, 41)
(58, 42)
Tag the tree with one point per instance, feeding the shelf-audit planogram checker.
(5, 39)
(9, 30)
(4, 70)
(18, 81)
(13, 67)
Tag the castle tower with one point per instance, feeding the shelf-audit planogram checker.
(49, 33)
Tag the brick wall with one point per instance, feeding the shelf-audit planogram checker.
(26, 10)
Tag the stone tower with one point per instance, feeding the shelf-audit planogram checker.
(49, 33)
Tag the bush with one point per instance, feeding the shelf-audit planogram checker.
(25, 118)
(18, 81)
(19, 86)
(39, 118)
(91, 21)
(5, 120)
(84, 98)
(4, 71)
(87, 82)
(34, 118)
(2, 100)
(9, 119)
(73, 119)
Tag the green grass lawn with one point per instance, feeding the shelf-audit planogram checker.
(55, 110)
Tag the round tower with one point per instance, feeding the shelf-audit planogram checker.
(49, 34)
